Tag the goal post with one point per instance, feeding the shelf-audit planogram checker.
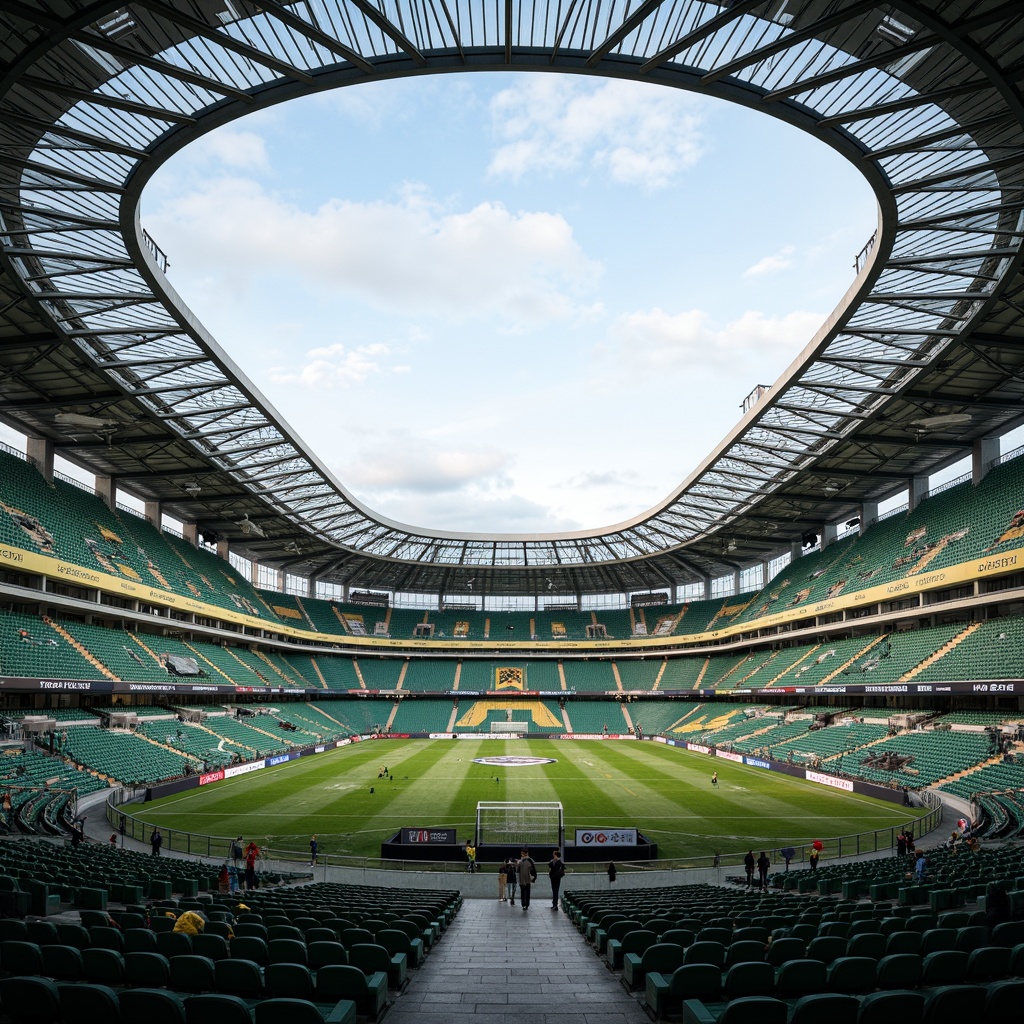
(504, 823)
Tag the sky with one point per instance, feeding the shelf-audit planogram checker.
(509, 302)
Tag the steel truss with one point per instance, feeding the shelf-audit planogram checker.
(923, 97)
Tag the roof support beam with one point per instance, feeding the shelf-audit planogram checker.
(640, 15)
(391, 30)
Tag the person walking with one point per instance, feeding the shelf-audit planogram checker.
(503, 881)
(714, 778)
(611, 871)
(313, 847)
(527, 876)
(763, 864)
(748, 866)
(236, 853)
(556, 872)
(156, 840)
(471, 857)
(252, 851)
(512, 874)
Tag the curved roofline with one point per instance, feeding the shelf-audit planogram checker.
(183, 136)
(917, 98)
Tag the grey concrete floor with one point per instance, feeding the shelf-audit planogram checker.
(497, 964)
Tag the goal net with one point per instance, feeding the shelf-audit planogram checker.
(500, 823)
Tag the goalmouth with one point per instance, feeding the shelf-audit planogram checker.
(502, 823)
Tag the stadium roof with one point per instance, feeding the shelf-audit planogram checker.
(924, 355)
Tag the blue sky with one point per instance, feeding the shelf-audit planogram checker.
(510, 303)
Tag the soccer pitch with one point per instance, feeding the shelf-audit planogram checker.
(664, 791)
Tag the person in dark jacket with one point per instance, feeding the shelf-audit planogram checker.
(527, 876)
(763, 864)
(156, 840)
(611, 872)
(748, 866)
(556, 872)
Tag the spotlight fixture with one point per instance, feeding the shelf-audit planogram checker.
(192, 488)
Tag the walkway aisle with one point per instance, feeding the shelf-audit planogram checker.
(499, 965)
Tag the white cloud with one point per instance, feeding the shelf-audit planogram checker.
(336, 366)
(408, 256)
(397, 462)
(782, 260)
(482, 513)
(637, 134)
(655, 341)
(235, 149)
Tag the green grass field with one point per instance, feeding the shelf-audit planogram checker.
(664, 791)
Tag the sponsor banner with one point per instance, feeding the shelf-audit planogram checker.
(33, 561)
(597, 736)
(606, 837)
(281, 758)
(388, 735)
(91, 685)
(738, 758)
(208, 777)
(441, 736)
(699, 747)
(167, 788)
(860, 689)
(438, 836)
(319, 750)
(244, 769)
(756, 762)
(487, 735)
(659, 739)
(829, 780)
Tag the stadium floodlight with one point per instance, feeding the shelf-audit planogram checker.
(942, 421)
(247, 526)
(84, 422)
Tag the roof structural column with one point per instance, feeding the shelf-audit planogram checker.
(829, 532)
(152, 511)
(868, 514)
(984, 453)
(223, 549)
(736, 573)
(190, 531)
(40, 454)
(106, 490)
(917, 491)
